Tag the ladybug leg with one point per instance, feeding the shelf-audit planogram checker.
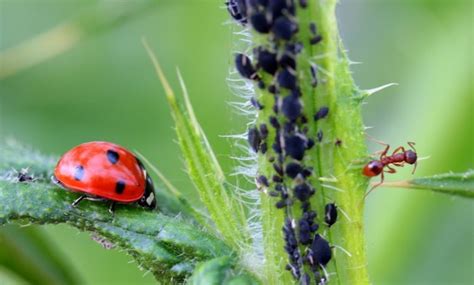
(112, 208)
(78, 200)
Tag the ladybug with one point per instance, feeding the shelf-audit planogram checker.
(103, 171)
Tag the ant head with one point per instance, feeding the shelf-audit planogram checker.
(373, 168)
(410, 157)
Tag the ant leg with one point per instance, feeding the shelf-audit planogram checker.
(390, 170)
(398, 149)
(414, 168)
(375, 186)
(112, 208)
(78, 200)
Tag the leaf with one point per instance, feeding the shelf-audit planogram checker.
(203, 168)
(219, 271)
(455, 184)
(167, 246)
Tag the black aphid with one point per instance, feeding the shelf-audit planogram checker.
(307, 172)
(330, 216)
(314, 78)
(244, 67)
(237, 9)
(338, 142)
(267, 61)
(272, 89)
(284, 28)
(263, 131)
(315, 39)
(254, 139)
(281, 204)
(260, 22)
(278, 169)
(281, 7)
(320, 251)
(262, 180)
(286, 79)
(274, 122)
(295, 146)
(310, 144)
(263, 148)
(277, 179)
(261, 84)
(293, 169)
(303, 191)
(276, 147)
(321, 114)
(303, 3)
(319, 135)
(291, 107)
(305, 232)
(287, 60)
(256, 104)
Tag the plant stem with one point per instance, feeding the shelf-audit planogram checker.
(344, 126)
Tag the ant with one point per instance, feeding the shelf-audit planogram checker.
(399, 157)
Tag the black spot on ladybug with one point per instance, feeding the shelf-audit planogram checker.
(119, 187)
(284, 28)
(112, 156)
(330, 216)
(322, 113)
(260, 23)
(320, 252)
(78, 172)
(244, 67)
(286, 79)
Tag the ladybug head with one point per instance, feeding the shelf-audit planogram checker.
(148, 199)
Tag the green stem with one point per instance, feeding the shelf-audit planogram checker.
(344, 125)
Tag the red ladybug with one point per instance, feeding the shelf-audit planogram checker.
(105, 171)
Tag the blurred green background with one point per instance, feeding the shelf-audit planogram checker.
(104, 88)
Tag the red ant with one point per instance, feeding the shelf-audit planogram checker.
(399, 157)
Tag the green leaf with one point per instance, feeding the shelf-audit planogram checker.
(219, 271)
(455, 184)
(203, 168)
(167, 246)
(28, 253)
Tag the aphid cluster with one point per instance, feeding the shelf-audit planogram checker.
(273, 67)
